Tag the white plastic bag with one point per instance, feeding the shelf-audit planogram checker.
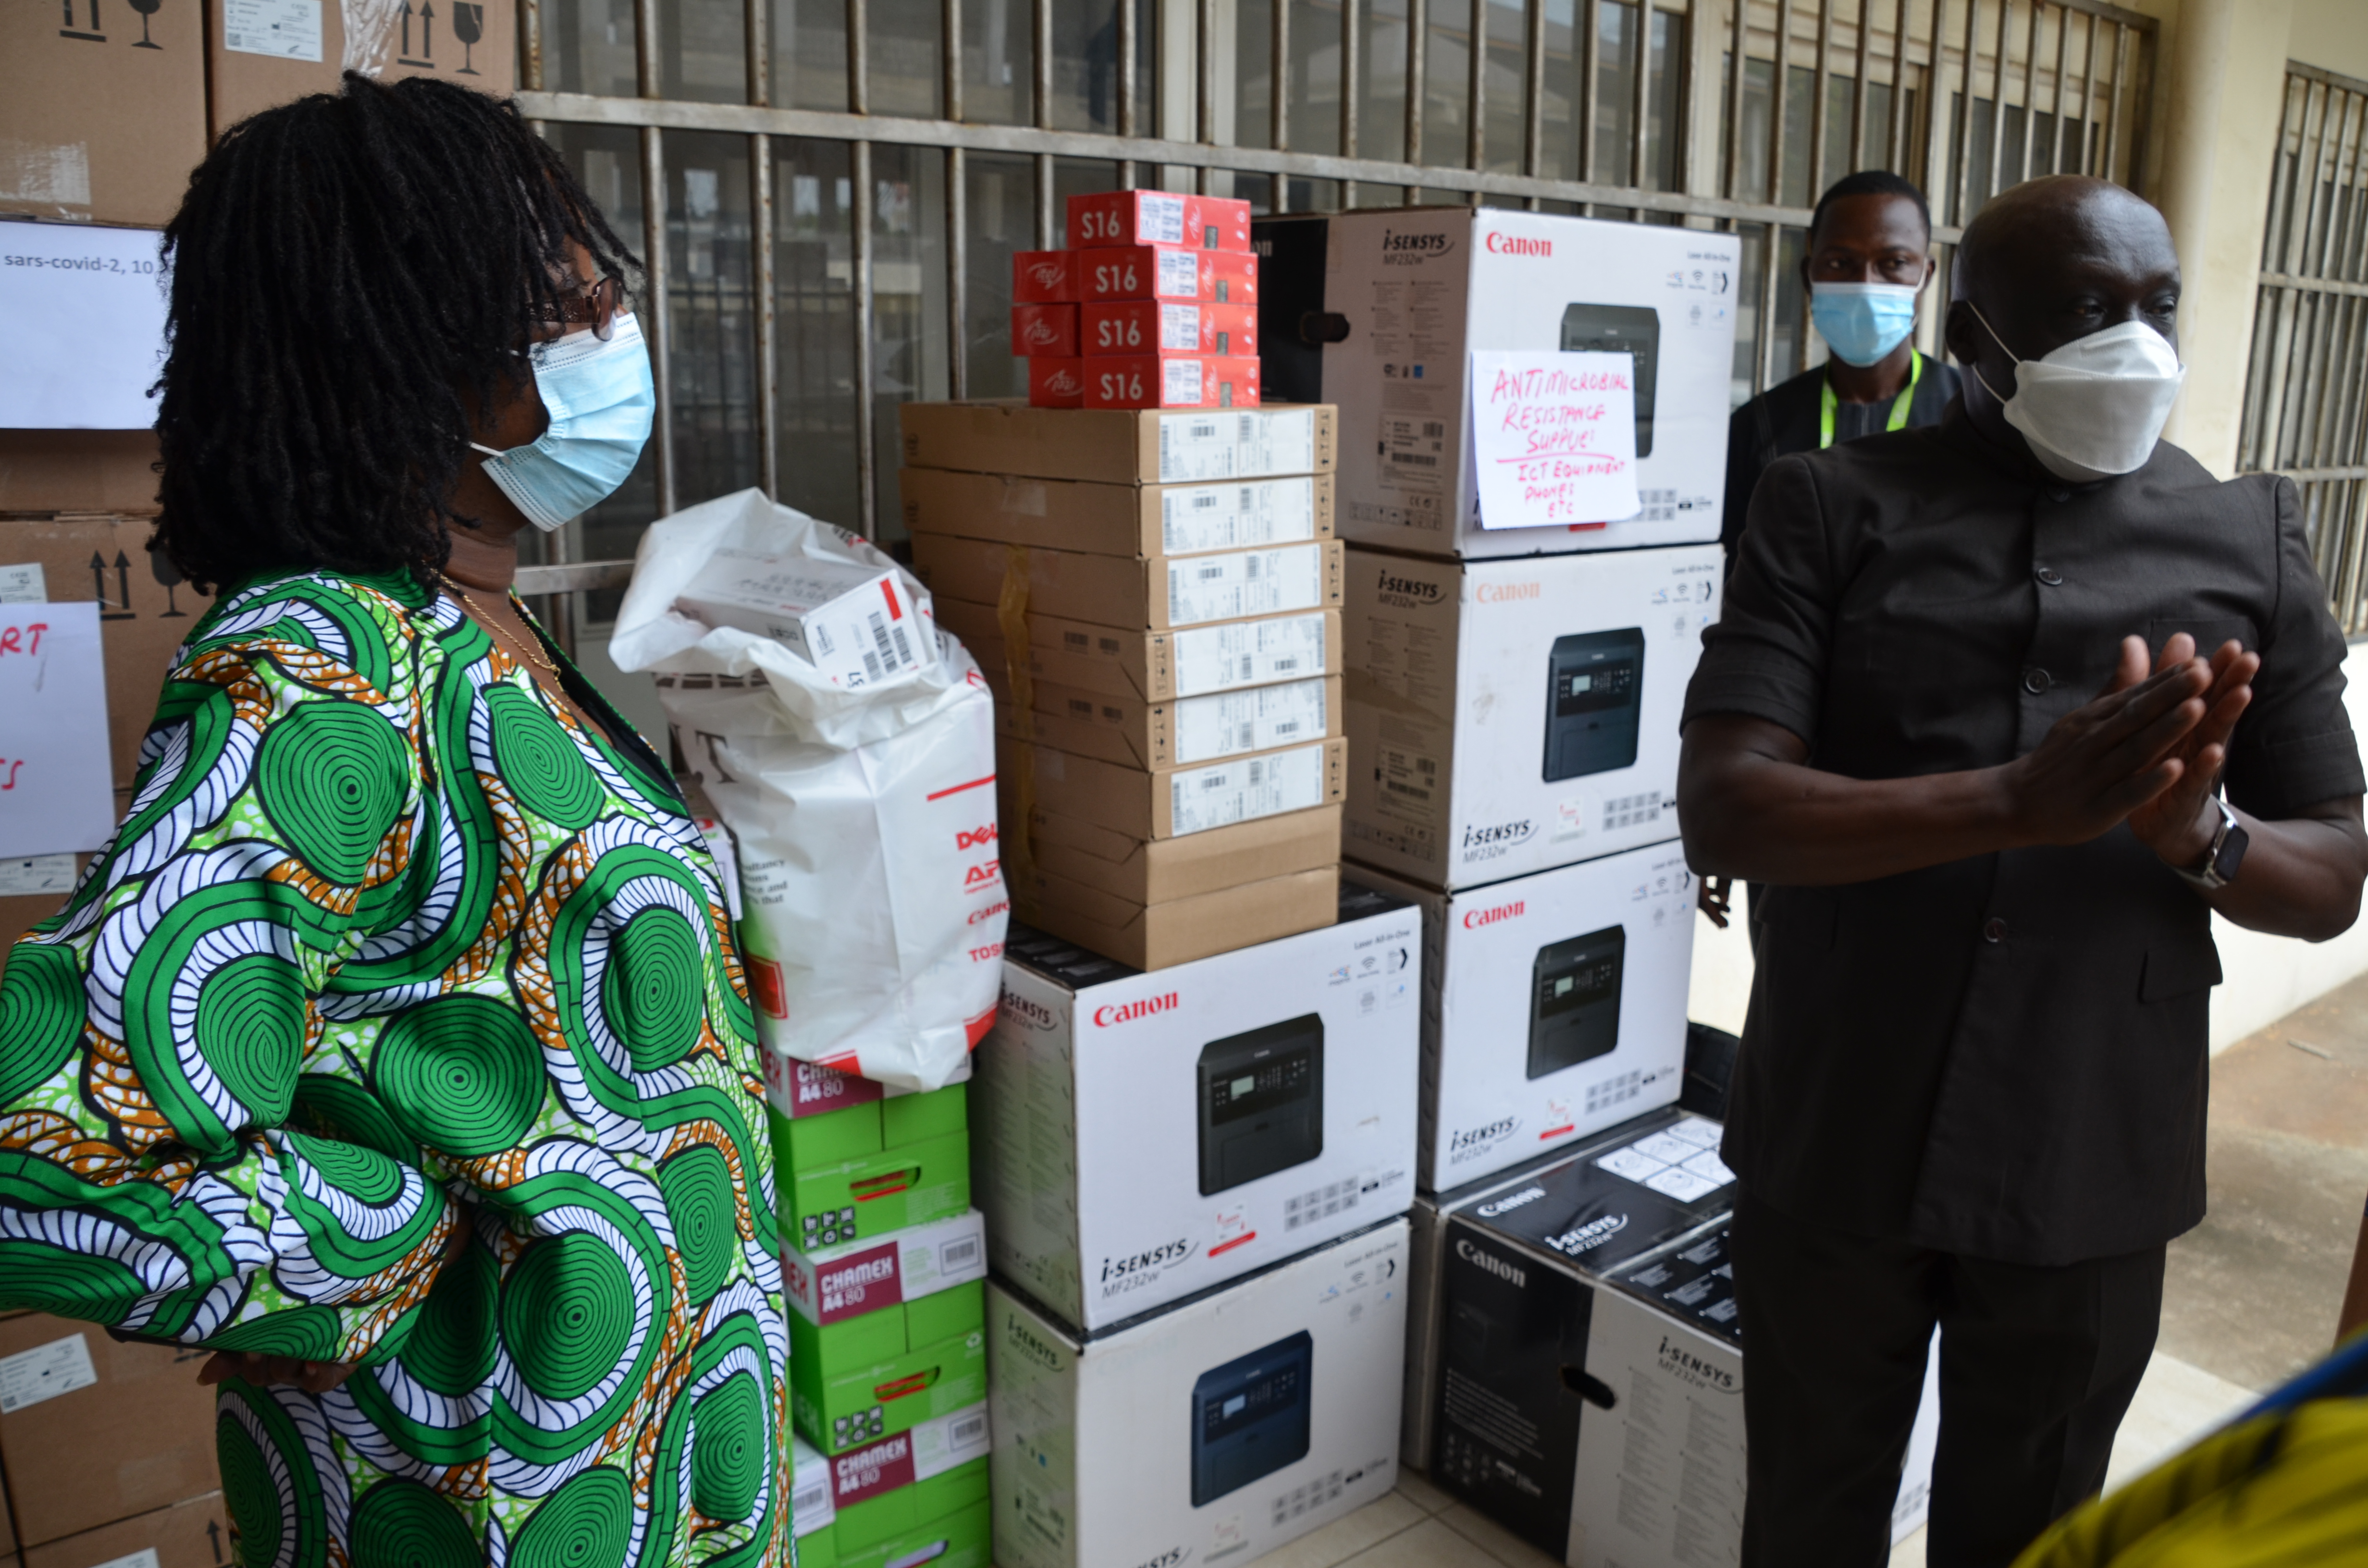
(873, 902)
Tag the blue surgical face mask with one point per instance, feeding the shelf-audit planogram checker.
(601, 401)
(1862, 322)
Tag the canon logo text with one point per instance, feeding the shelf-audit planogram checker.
(1127, 1012)
(1520, 1199)
(1508, 593)
(1475, 918)
(1518, 244)
(1517, 1278)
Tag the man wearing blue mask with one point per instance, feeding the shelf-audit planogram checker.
(1869, 255)
(1966, 715)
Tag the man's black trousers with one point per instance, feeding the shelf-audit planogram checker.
(2037, 1367)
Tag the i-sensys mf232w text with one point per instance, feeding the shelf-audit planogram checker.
(1575, 1000)
(1595, 682)
(1262, 1102)
(1250, 1417)
(1632, 330)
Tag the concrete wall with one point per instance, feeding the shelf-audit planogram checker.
(2264, 977)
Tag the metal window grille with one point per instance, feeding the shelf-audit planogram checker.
(828, 193)
(2304, 414)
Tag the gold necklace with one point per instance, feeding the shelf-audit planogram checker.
(487, 621)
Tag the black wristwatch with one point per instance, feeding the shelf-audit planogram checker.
(2221, 860)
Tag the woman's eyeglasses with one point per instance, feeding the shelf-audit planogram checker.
(597, 305)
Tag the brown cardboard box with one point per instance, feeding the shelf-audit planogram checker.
(384, 38)
(195, 1534)
(1133, 446)
(1171, 735)
(1154, 936)
(1163, 871)
(1117, 519)
(102, 109)
(145, 609)
(1151, 665)
(131, 1432)
(1176, 802)
(77, 471)
(1135, 593)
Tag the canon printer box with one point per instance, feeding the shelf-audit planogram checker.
(1507, 716)
(1209, 1432)
(1143, 1135)
(1553, 1005)
(1379, 313)
(1602, 1417)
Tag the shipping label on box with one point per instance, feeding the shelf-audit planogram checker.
(1556, 1008)
(1189, 730)
(1174, 803)
(1158, 218)
(1157, 593)
(1117, 519)
(1110, 1192)
(1152, 665)
(1216, 1431)
(1510, 716)
(1120, 445)
(852, 623)
(1421, 291)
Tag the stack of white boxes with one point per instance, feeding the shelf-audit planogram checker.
(1513, 692)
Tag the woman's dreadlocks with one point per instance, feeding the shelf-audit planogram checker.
(351, 274)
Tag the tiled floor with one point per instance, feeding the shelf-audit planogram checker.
(1419, 1526)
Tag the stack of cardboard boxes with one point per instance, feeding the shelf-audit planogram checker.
(108, 1450)
(882, 1259)
(1195, 1132)
(1154, 599)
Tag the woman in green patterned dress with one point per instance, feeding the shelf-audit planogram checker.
(397, 1049)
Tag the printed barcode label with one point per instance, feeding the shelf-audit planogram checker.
(808, 1501)
(1217, 658)
(969, 1429)
(1233, 516)
(903, 645)
(958, 1255)
(1245, 582)
(44, 1373)
(1257, 787)
(1228, 724)
(1250, 444)
(1179, 328)
(1182, 382)
(1179, 275)
(1159, 221)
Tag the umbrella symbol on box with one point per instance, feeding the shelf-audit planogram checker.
(469, 26)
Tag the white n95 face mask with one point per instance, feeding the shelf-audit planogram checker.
(2095, 407)
(601, 401)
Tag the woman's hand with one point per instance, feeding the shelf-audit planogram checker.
(267, 1372)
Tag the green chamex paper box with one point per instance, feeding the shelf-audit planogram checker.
(829, 1117)
(853, 1160)
(887, 1371)
(922, 1490)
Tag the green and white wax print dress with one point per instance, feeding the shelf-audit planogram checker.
(401, 1024)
